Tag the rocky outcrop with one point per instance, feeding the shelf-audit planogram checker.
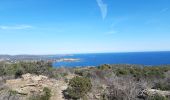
(30, 84)
(159, 92)
(152, 92)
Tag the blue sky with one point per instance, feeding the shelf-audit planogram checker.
(83, 26)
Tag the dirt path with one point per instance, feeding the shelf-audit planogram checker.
(29, 84)
(57, 91)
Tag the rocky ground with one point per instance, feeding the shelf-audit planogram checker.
(29, 84)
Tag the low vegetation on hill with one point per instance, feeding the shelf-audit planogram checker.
(127, 82)
(104, 82)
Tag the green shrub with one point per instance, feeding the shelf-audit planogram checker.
(154, 72)
(104, 67)
(162, 86)
(157, 97)
(78, 87)
(63, 74)
(18, 73)
(149, 72)
(13, 92)
(47, 94)
(122, 72)
(83, 72)
(2, 71)
(35, 97)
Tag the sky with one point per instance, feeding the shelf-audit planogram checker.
(83, 26)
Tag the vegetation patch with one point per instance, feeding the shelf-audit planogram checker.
(45, 96)
(157, 97)
(78, 87)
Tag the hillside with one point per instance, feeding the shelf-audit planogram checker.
(40, 81)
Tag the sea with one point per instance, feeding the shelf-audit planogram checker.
(96, 59)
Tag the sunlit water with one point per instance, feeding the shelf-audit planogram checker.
(142, 58)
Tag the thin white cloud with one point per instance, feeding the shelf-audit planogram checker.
(16, 27)
(103, 8)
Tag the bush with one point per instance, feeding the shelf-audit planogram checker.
(12, 92)
(78, 87)
(83, 73)
(162, 86)
(157, 97)
(154, 72)
(18, 73)
(104, 67)
(2, 71)
(46, 95)
(20, 68)
(122, 72)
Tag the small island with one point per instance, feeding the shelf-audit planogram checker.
(67, 60)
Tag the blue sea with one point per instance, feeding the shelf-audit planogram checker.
(95, 59)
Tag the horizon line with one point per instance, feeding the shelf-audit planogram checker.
(83, 53)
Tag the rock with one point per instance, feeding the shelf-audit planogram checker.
(159, 92)
(30, 84)
(152, 92)
(97, 96)
(34, 78)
